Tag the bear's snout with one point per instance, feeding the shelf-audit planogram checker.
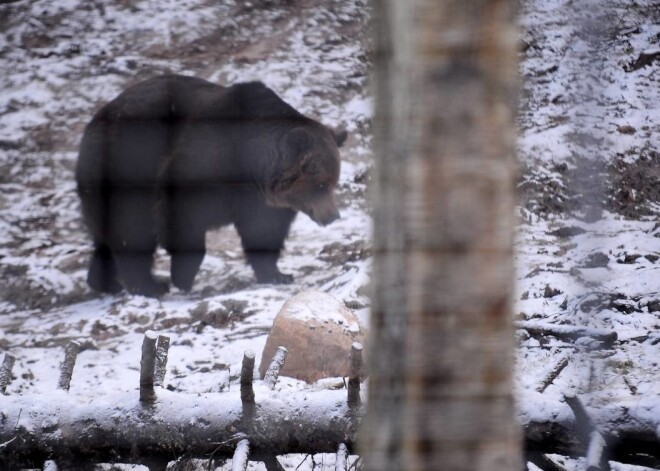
(323, 214)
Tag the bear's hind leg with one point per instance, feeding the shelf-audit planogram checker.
(133, 239)
(185, 265)
(102, 275)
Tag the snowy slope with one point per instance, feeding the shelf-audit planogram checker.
(588, 240)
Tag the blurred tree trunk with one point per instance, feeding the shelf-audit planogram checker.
(440, 392)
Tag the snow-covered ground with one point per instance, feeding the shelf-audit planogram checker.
(588, 239)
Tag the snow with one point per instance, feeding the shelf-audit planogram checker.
(582, 112)
(316, 305)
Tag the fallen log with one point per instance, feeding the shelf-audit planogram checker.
(566, 332)
(119, 428)
(630, 428)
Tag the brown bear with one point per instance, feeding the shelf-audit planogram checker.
(173, 156)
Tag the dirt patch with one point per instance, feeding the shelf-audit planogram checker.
(341, 254)
(630, 186)
(542, 190)
(635, 185)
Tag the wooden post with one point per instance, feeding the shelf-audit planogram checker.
(443, 197)
(147, 366)
(247, 375)
(341, 462)
(66, 368)
(5, 371)
(354, 378)
(273, 372)
(240, 459)
(160, 368)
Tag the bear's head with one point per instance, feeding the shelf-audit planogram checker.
(308, 172)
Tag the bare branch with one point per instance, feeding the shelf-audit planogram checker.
(240, 459)
(552, 374)
(273, 372)
(271, 462)
(341, 462)
(5, 371)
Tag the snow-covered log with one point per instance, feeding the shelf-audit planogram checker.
(629, 427)
(120, 428)
(567, 332)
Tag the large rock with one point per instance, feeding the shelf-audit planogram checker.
(317, 330)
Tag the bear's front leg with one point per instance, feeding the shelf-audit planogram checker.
(134, 269)
(263, 231)
(264, 264)
(185, 265)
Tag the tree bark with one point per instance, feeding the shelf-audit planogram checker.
(440, 394)
(119, 428)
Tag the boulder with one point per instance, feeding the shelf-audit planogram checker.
(317, 330)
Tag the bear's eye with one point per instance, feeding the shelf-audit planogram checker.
(286, 183)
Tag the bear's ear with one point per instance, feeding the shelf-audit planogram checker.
(297, 141)
(340, 135)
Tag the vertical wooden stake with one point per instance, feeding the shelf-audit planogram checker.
(5, 371)
(247, 373)
(354, 378)
(147, 365)
(273, 372)
(341, 462)
(240, 459)
(162, 347)
(66, 368)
